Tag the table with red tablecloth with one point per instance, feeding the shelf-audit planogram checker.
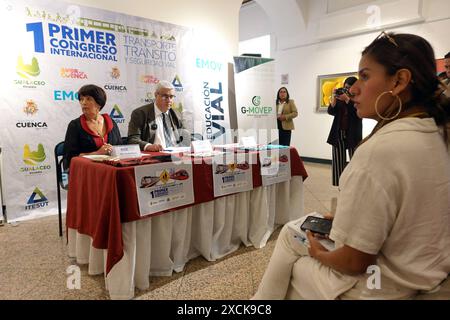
(104, 223)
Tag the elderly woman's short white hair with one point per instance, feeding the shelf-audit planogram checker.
(163, 84)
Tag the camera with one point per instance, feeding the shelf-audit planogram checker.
(341, 91)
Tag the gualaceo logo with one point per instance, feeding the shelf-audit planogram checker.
(34, 160)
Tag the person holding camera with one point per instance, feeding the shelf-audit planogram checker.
(346, 130)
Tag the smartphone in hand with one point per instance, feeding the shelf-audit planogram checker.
(317, 225)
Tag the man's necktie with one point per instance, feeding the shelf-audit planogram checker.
(167, 135)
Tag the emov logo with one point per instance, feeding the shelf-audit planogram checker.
(61, 95)
(208, 64)
(74, 42)
(36, 200)
(117, 115)
(33, 158)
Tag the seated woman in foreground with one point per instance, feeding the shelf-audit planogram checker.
(393, 211)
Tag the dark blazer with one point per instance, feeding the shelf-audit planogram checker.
(78, 140)
(142, 120)
(354, 131)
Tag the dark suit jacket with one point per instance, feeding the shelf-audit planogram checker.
(140, 129)
(80, 141)
(354, 131)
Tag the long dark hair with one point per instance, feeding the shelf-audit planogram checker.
(277, 101)
(409, 51)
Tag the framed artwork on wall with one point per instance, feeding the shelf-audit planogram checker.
(440, 65)
(325, 86)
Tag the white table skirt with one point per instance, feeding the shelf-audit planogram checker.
(159, 245)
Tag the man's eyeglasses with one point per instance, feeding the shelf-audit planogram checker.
(167, 96)
(383, 34)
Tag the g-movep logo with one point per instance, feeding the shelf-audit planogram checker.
(117, 115)
(27, 71)
(33, 160)
(36, 200)
(256, 110)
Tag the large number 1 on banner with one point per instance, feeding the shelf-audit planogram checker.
(38, 33)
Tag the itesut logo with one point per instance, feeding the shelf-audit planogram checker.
(25, 70)
(33, 157)
(177, 84)
(117, 115)
(36, 200)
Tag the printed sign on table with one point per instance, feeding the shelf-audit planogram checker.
(275, 166)
(232, 173)
(163, 186)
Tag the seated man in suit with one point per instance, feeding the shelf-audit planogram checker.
(156, 126)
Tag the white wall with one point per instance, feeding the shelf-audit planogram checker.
(218, 20)
(304, 57)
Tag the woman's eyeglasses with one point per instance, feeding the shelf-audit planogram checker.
(383, 34)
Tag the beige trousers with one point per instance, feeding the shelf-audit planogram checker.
(293, 274)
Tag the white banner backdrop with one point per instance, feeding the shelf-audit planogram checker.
(255, 98)
(53, 49)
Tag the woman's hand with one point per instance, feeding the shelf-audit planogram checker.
(315, 247)
(282, 117)
(105, 149)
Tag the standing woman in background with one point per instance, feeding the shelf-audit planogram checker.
(286, 111)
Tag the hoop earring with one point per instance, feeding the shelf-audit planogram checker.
(399, 109)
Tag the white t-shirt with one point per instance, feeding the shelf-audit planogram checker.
(394, 201)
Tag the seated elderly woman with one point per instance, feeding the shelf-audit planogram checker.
(91, 133)
(393, 211)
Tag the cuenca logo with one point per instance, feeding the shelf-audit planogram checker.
(115, 73)
(35, 203)
(31, 109)
(72, 73)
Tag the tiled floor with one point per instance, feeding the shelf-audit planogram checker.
(33, 260)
